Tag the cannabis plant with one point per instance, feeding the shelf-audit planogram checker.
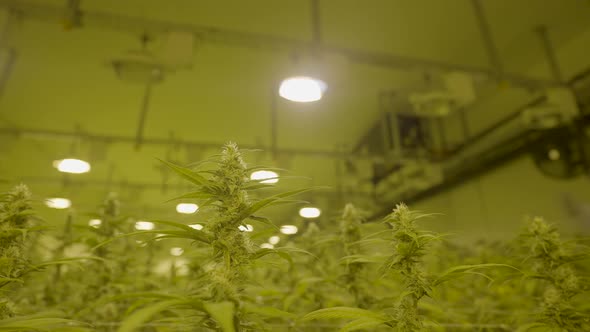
(350, 234)
(553, 264)
(486, 304)
(15, 213)
(15, 227)
(409, 245)
(218, 298)
(79, 290)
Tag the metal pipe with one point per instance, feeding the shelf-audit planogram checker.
(7, 70)
(143, 115)
(68, 135)
(329, 192)
(316, 23)
(262, 41)
(488, 40)
(12, 54)
(550, 55)
(273, 126)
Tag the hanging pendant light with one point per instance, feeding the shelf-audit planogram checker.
(72, 165)
(302, 89)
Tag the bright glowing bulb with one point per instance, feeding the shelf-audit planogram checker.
(196, 226)
(58, 203)
(302, 89)
(94, 223)
(267, 246)
(266, 176)
(274, 240)
(309, 212)
(247, 228)
(187, 208)
(176, 251)
(289, 229)
(144, 225)
(75, 166)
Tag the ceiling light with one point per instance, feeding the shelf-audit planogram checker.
(176, 251)
(265, 176)
(247, 228)
(289, 229)
(196, 226)
(75, 166)
(58, 203)
(302, 89)
(144, 225)
(94, 223)
(309, 212)
(267, 246)
(187, 208)
(274, 240)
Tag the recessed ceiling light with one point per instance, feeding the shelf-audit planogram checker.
(58, 203)
(266, 176)
(187, 208)
(309, 212)
(75, 166)
(302, 89)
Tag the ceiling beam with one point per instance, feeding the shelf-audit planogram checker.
(237, 38)
(137, 185)
(81, 135)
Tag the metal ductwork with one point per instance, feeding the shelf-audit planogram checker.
(553, 128)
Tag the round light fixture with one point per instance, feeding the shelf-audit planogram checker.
(302, 89)
(74, 166)
(310, 212)
(274, 240)
(265, 176)
(289, 229)
(94, 223)
(144, 225)
(176, 251)
(247, 228)
(196, 226)
(187, 208)
(58, 203)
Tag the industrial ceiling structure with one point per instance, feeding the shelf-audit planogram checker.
(121, 83)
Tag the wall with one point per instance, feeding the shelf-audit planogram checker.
(495, 205)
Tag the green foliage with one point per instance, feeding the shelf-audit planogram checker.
(15, 224)
(225, 195)
(350, 234)
(552, 264)
(397, 278)
(409, 245)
